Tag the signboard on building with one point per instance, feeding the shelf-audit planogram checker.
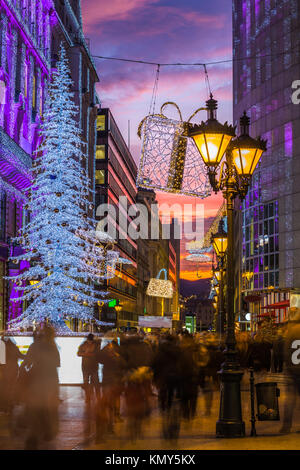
(190, 323)
(2, 352)
(295, 300)
(155, 322)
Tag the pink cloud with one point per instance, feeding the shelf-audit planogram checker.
(132, 86)
(160, 19)
(95, 12)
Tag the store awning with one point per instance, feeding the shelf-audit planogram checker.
(267, 314)
(252, 298)
(282, 304)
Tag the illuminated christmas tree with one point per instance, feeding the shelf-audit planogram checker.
(66, 259)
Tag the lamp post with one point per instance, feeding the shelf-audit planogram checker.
(219, 276)
(219, 242)
(242, 155)
(118, 309)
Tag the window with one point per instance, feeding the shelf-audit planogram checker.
(34, 95)
(18, 71)
(100, 199)
(41, 101)
(101, 122)
(2, 215)
(100, 176)
(25, 79)
(264, 258)
(100, 152)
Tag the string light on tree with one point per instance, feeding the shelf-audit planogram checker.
(59, 241)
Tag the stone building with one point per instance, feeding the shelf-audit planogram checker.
(25, 68)
(266, 63)
(115, 176)
(31, 32)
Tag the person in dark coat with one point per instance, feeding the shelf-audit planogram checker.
(166, 371)
(89, 350)
(278, 352)
(108, 407)
(137, 355)
(10, 373)
(166, 379)
(42, 394)
(259, 355)
(292, 369)
(188, 376)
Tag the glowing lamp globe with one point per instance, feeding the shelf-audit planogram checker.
(211, 137)
(219, 241)
(246, 151)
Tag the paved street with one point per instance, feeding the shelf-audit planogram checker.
(77, 431)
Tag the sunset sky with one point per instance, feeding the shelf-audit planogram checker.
(161, 32)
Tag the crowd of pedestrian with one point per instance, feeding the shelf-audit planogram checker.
(139, 373)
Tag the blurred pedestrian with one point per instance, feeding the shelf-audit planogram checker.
(188, 376)
(108, 406)
(292, 368)
(137, 399)
(89, 350)
(259, 354)
(278, 352)
(166, 370)
(10, 372)
(137, 355)
(42, 391)
(166, 379)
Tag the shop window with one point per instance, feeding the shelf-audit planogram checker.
(100, 152)
(100, 176)
(2, 215)
(101, 122)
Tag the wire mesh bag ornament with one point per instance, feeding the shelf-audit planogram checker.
(109, 257)
(170, 161)
(160, 287)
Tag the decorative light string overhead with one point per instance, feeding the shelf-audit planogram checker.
(154, 92)
(197, 64)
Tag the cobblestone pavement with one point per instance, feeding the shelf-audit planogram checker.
(77, 427)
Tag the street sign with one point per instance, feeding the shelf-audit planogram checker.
(155, 322)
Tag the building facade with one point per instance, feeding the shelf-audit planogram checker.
(31, 32)
(266, 62)
(115, 176)
(161, 251)
(68, 31)
(25, 68)
(205, 315)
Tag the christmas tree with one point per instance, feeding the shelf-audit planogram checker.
(66, 258)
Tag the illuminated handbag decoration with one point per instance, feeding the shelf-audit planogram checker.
(160, 287)
(170, 160)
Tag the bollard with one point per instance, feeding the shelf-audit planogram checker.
(253, 430)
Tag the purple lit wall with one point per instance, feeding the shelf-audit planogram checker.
(25, 67)
(288, 139)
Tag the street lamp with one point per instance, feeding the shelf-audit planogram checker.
(219, 241)
(118, 309)
(211, 137)
(242, 156)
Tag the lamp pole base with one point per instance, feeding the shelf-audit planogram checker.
(230, 423)
(230, 429)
